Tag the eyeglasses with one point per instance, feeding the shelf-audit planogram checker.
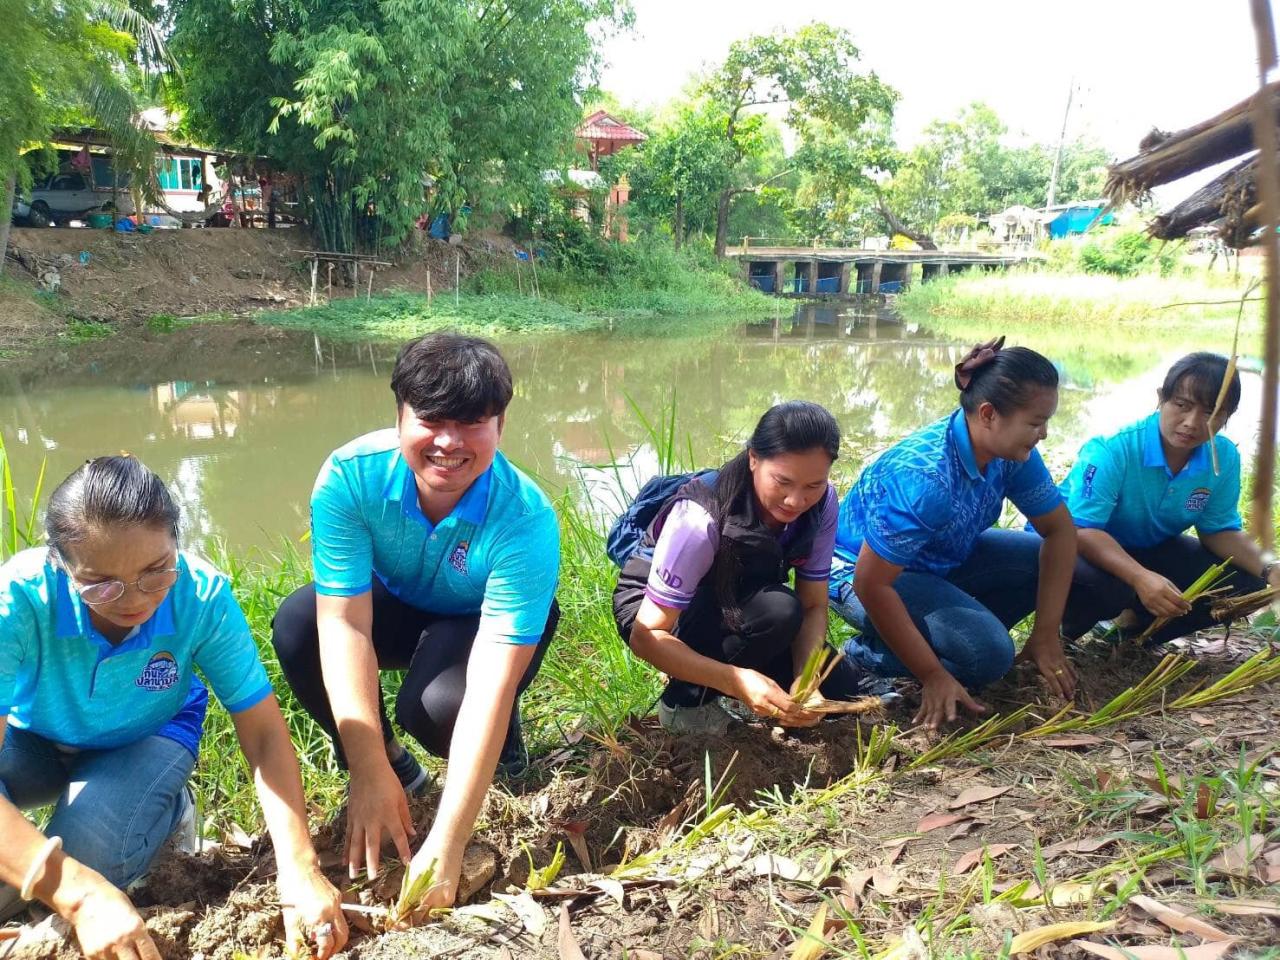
(108, 590)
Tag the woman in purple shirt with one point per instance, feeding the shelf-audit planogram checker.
(705, 598)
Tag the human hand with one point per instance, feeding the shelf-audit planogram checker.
(106, 924)
(1160, 595)
(1058, 672)
(445, 867)
(766, 699)
(377, 806)
(939, 694)
(313, 913)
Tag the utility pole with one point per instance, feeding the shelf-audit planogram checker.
(1062, 139)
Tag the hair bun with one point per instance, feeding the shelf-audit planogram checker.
(975, 360)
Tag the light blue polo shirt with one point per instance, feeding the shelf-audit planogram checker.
(63, 680)
(1122, 484)
(497, 553)
(922, 504)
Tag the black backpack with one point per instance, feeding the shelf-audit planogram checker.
(629, 529)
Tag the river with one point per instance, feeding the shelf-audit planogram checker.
(240, 431)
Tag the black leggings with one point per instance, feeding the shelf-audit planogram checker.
(432, 648)
(771, 618)
(1097, 595)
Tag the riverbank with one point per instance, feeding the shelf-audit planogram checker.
(1093, 324)
(63, 287)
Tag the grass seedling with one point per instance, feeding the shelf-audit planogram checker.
(1206, 585)
(17, 531)
(541, 878)
(1227, 609)
(966, 741)
(1262, 667)
(413, 890)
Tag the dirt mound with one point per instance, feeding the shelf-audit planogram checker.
(126, 278)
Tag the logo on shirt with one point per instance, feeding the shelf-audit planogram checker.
(1089, 473)
(458, 559)
(1198, 498)
(670, 578)
(160, 673)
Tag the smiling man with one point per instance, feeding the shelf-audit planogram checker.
(433, 555)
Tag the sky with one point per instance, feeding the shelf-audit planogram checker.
(1134, 63)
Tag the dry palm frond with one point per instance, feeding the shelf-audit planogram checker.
(1207, 585)
(1245, 605)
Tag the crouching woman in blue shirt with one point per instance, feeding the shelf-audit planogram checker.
(1134, 494)
(101, 713)
(919, 569)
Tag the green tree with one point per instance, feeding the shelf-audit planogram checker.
(370, 103)
(812, 71)
(70, 62)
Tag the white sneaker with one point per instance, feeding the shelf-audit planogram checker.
(710, 718)
(185, 838)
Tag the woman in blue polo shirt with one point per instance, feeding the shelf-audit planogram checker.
(919, 568)
(101, 712)
(1133, 495)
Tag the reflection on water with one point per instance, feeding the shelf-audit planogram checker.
(242, 452)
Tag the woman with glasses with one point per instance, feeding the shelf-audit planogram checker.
(101, 713)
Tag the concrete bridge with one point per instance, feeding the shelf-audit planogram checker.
(844, 271)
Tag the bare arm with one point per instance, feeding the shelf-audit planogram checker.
(1243, 551)
(494, 670)
(653, 641)
(1057, 561)
(873, 583)
(264, 738)
(105, 922)
(350, 667)
(1158, 594)
(813, 628)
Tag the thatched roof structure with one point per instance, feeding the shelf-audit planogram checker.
(1229, 202)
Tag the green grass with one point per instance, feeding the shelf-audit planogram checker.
(1097, 326)
(641, 288)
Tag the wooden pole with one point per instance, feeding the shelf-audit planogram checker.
(457, 278)
(428, 288)
(315, 269)
(328, 292)
(1264, 134)
(368, 293)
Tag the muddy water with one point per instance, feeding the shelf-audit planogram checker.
(239, 420)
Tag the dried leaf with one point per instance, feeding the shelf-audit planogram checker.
(643, 955)
(1200, 718)
(1069, 894)
(886, 881)
(971, 859)
(894, 852)
(811, 945)
(771, 865)
(1034, 939)
(526, 908)
(854, 886)
(1177, 920)
(936, 821)
(578, 841)
(963, 829)
(1247, 908)
(1088, 845)
(1072, 741)
(977, 795)
(1206, 951)
(611, 888)
(567, 942)
(1236, 858)
(1204, 802)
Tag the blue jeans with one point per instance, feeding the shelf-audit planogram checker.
(114, 808)
(965, 616)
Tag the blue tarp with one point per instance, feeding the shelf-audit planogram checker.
(1077, 220)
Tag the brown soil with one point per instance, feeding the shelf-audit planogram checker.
(127, 278)
(630, 795)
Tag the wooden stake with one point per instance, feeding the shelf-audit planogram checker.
(329, 287)
(1264, 135)
(457, 277)
(368, 293)
(428, 288)
(315, 268)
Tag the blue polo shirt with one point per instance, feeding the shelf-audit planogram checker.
(1122, 484)
(922, 504)
(497, 553)
(63, 680)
